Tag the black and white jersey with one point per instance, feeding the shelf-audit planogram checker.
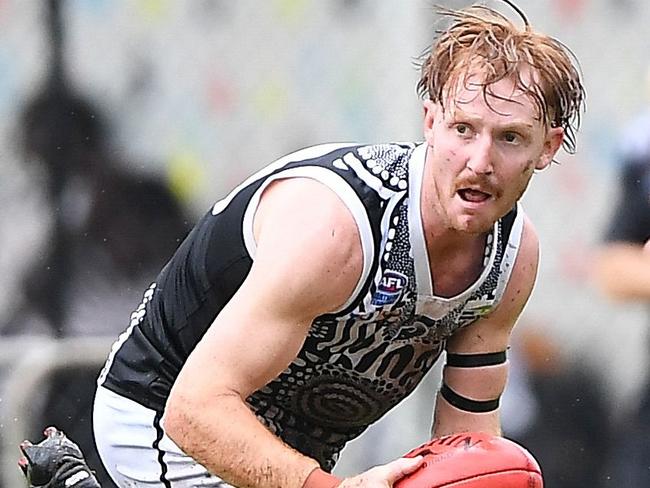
(357, 362)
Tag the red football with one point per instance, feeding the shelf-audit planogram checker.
(473, 460)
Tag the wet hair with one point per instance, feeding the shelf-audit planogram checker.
(480, 40)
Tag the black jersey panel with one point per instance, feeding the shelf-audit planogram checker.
(200, 278)
(506, 226)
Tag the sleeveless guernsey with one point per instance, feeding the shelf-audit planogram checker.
(356, 363)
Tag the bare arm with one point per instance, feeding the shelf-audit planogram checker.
(307, 263)
(488, 335)
(623, 270)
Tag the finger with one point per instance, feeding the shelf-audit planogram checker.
(399, 468)
(24, 446)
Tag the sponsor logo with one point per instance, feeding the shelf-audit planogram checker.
(390, 288)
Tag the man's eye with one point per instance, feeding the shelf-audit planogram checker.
(511, 137)
(462, 129)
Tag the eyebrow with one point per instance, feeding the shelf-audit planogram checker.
(514, 124)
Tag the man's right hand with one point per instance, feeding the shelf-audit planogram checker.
(384, 476)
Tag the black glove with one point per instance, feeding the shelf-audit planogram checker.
(56, 462)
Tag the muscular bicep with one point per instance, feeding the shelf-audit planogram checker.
(307, 262)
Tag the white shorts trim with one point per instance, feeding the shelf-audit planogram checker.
(135, 450)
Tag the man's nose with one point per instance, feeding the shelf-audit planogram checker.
(481, 157)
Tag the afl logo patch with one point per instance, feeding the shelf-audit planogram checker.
(390, 288)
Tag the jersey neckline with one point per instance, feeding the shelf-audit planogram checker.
(421, 263)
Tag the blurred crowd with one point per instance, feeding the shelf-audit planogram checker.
(111, 230)
(114, 227)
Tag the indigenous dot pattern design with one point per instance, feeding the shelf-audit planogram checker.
(383, 161)
(356, 365)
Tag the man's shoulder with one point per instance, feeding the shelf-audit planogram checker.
(520, 241)
(528, 253)
(383, 167)
(365, 149)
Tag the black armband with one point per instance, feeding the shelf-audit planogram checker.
(467, 404)
(476, 360)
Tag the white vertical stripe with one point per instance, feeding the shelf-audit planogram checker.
(510, 252)
(416, 231)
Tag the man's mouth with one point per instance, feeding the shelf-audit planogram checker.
(473, 195)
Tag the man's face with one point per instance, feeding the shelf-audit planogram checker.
(483, 154)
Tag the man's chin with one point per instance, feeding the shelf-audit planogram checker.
(472, 218)
(473, 225)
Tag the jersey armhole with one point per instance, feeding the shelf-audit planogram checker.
(349, 198)
(510, 252)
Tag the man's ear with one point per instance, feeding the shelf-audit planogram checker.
(429, 119)
(552, 144)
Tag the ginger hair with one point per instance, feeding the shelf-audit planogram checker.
(481, 40)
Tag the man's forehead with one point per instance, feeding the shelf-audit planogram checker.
(507, 97)
(507, 89)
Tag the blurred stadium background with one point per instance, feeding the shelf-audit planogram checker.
(165, 105)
